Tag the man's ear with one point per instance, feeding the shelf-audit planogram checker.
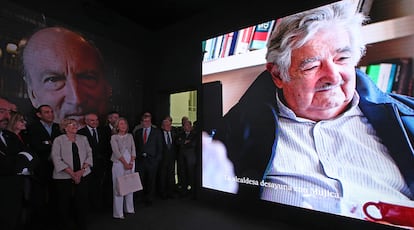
(274, 71)
(32, 97)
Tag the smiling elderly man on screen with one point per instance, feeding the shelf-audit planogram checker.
(312, 131)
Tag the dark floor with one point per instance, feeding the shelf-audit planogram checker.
(182, 214)
(214, 213)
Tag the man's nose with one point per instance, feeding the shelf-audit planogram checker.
(7, 114)
(331, 73)
(72, 91)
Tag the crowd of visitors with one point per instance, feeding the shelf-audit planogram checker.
(57, 168)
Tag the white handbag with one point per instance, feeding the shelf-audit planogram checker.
(128, 183)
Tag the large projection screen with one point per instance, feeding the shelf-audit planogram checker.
(236, 73)
(121, 67)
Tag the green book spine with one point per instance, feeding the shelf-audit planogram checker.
(373, 72)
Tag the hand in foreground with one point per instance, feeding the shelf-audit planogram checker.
(217, 169)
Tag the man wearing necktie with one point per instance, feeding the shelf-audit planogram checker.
(187, 159)
(15, 160)
(166, 174)
(145, 136)
(98, 143)
(149, 153)
(105, 139)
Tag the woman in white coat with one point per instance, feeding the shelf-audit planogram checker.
(72, 158)
(123, 158)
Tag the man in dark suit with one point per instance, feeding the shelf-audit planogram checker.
(166, 172)
(101, 151)
(111, 119)
(41, 134)
(187, 159)
(107, 131)
(148, 143)
(15, 161)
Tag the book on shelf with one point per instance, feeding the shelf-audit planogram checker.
(372, 71)
(218, 46)
(382, 74)
(403, 81)
(233, 43)
(227, 39)
(243, 40)
(207, 49)
(237, 42)
(392, 75)
(203, 46)
(261, 34)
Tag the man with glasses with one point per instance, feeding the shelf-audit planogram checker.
(15, 160)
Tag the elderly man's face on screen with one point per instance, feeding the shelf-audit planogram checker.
(64, 71)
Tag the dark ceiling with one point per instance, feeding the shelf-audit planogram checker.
(153, 15)
(159, 14)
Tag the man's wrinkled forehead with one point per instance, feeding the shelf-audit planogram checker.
(4, 104)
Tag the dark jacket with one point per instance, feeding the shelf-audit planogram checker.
(101, 150)
(151, 152)
(11, 164)
(249, 129)
(40, 140)
(41, 143)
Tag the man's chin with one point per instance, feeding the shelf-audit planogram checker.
(3, 125)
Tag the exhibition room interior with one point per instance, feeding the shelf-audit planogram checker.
(156, 55)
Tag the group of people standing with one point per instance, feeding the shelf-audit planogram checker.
(64, 172)
(178, 166)
(65, 161)
(56, 172)
(166, 157)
